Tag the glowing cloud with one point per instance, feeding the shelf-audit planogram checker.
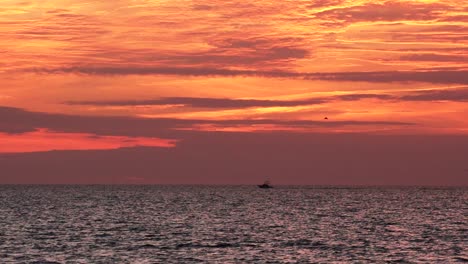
(45, 140)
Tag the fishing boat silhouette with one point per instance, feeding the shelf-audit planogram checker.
(265, 185)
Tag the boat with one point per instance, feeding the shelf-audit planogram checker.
(265, 185)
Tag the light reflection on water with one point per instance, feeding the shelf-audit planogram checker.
(224, 224)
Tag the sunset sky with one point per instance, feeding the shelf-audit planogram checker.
(233, 92)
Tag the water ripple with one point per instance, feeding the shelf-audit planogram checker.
(226, 224)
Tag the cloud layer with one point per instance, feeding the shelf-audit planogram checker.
(234, 38)
(456, 95)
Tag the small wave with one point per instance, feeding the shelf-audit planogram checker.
(306, 243)
(45, 262)
(217, 245)
(103, 235)
(147, 246)
(461, 259)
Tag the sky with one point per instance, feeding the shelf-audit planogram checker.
(316, 92)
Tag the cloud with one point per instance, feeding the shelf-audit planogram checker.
(434, 57)
(324, 3)
(246, 51)
(455, 18)
(457, 95)
(453, 94)
(388, 11)
(269, 39)
(202, 7)
(436, 76)
(21, 121)
(60, 25)
(203, 102)
(458, 77)
(358, 96)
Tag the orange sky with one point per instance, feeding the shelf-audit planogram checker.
(373, 67)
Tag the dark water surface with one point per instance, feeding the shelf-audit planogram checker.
(232, 224)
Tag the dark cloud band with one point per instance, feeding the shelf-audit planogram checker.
(16, 120)
(449, 77)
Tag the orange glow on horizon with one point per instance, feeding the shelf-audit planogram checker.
(44, 140)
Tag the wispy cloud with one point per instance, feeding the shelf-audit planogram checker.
(253, 35)
(387, 11)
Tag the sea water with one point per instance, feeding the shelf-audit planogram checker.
(232, 224)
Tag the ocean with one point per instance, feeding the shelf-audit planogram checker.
(232, 224)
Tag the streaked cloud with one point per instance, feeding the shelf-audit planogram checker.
(457, 95)
(435, 57)
(203, 102)
(386, 11)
